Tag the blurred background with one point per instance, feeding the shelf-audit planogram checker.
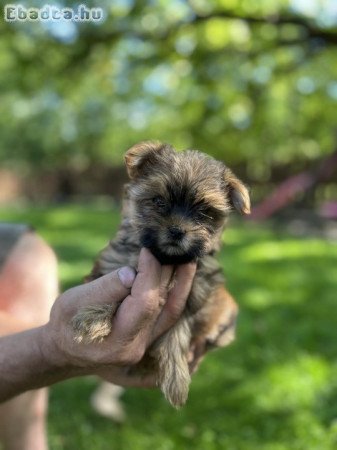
(251, 83)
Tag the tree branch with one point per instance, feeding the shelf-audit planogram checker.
(313, 32)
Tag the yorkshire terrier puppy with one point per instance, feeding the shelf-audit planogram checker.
(176, 205)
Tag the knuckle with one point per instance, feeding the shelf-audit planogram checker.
(162, 301)
(138, 354)
(175, 311)
(150, 305)
(131, 356)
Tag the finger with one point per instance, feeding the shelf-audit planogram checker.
(141, 307)
(176, 300)
(148, 276)
(165, 282)
(125, 377)
(108, 289)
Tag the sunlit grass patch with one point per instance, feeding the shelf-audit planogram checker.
(291, 384)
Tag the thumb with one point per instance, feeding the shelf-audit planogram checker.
(111, 288)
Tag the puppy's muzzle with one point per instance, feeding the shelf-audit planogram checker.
(176, 233)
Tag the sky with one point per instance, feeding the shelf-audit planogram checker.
(322, 11)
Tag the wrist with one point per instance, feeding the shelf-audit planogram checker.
(54, 355)
(55, 363)
(49, 350)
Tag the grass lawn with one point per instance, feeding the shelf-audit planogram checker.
(275, 388)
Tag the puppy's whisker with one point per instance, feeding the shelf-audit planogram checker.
(205, 215)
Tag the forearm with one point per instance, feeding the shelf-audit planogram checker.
(42, 356)
(24, 366)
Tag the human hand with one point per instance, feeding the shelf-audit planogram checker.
(146, 311)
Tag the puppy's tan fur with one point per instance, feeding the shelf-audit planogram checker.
(176, 204)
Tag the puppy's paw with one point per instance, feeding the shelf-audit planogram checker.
(106, 402)
(93, 323)
(174, 378)
(176, 390)
(171, 352)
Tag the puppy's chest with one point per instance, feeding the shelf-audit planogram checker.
(207, 278)
(122, 251)
(125, 249)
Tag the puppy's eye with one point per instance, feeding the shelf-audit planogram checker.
(159, 202)
(204, 214)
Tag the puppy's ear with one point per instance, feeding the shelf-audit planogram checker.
(237, 191)
(138, 156)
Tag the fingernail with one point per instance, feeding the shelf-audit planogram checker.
(127, 276)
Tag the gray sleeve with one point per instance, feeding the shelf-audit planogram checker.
(10, 233)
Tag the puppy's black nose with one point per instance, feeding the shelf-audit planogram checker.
(176, 232)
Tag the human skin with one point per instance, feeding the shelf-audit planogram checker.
(28, 289)
(41, 356)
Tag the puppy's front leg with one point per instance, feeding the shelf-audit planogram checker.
(93, 323)
(215, 323)
(171, 353)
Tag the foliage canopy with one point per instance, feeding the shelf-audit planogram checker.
(241, 80)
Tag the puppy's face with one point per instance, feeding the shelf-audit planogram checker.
(179, 201)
